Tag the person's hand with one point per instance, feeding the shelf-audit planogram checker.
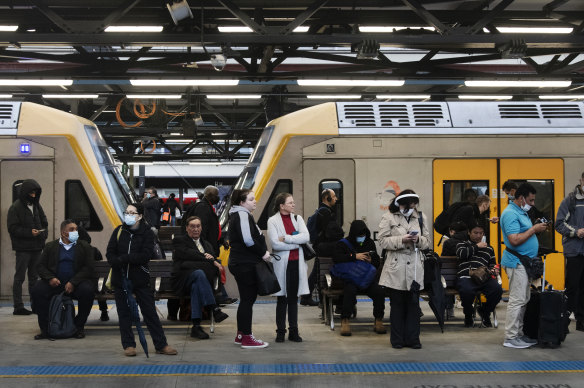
(494, 220)
(266, 256)
(538, 228)
(36, 232)
(218, 265)
(409, 238)
(362, 256)
(282, 238)
(54, 282)
(580, 233)
(495, 271)
(69, 287)
(482, 244)
(209, 256)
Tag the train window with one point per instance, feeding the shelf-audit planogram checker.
(336, 186)
(458, 191)
(78, 207)
(282, 186)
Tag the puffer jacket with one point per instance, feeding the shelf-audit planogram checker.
(21, 221)
(248, 244)
(398, 271)
(568, 224)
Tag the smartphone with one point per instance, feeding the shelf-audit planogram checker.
(484, 239)
(413, 232)
(41, 230)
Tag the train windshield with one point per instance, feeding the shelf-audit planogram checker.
(117, 186)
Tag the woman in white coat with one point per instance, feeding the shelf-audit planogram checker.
(400, 234)
(286, 232)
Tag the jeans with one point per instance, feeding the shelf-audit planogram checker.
(468, 289)
(519, 295)
(575, 286)
(25, 260)
(245, 276)
(290, 300)
(375, 292)
(201, 293)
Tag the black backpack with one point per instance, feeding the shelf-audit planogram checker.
(61, 317)
(444, 219)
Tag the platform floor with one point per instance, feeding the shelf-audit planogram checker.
(459, 357)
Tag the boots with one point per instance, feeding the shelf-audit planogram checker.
(378, 326)
(345, 327)
(293, 335)
(280, 335)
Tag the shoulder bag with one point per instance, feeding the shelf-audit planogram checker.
(533, 265)
(267, 281)
(480, 275)
(307, 249)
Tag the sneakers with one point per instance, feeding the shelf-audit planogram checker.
(516, 343)
(485, 318)
(198, 332)
(238, 338)
(219, 315)
(250, 342)
(79, 334)
(528, 340)
(21, 311)
(130, 351)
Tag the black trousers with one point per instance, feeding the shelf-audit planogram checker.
(313, 277)
(375, 292)
(245, 277)
(42, 292)
(145, 299)
(404, 317)
(575, 286)
(468, 289)
(290, 300)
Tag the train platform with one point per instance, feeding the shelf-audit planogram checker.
(459, 357)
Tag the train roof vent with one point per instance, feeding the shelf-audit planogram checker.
(9, 112)
(519, 111)
(561, 111)
(360, 115)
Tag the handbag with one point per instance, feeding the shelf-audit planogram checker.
(533, 265)
(267, 282)
(480, 275)
(359, 272)
(166, 216)
(308, 251)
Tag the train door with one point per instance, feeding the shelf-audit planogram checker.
(453, 178)
(12, 173)
(335, 174)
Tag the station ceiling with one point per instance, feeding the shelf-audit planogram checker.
(430, 48)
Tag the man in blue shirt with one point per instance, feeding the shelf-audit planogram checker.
(520, 235)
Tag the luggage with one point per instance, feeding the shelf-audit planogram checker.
(61, 317)
(531, 317)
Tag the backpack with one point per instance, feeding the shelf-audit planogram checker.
(61, 317)
(444, 219)
(311, 225)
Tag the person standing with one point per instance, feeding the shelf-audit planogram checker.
(570, 224)
(170, 206)
(248, 247)
(27, 226)
(286, 232)
(519, 235)
(403, 271)
(152, 208)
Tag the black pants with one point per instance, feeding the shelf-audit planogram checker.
(245, 276)
(290, 300)
(145, 299)
(313, 277)
(375, 292)
(26, 261)
(404, 317)
(575, 286)
(468, 289)
(42, 293)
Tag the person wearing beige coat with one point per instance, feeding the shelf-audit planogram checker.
(401, 237)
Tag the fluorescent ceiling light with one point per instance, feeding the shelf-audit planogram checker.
(530, 84)
(160, 96)
(301, 29)
(347, 82)
(36, 82)
(234, 29)
(70, 96)
(184, 82)
(8, 28)
(140, 163)
(205, 163)
(334, 96)
(392, 28)
(483, 97)
(562, 97)
(5, 95)
(403, 96)
(178, 141)
(234, 96)
(134, 29)
(535, 30)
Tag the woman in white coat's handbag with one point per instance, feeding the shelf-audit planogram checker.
(286, 232)
(400, 235)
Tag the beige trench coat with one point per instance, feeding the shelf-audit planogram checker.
(398, 270)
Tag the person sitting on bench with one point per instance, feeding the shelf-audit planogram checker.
(193, 273)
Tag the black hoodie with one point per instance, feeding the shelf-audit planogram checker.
(21, 220)
(343, 253)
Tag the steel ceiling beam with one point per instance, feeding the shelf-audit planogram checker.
(242, 16)
(499, 8)
(305, 15)
(426, 16)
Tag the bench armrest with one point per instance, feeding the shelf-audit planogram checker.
(100, 283)
(157, 284)
(329, 280)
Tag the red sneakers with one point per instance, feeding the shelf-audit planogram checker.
(238, 338)
(250, 342)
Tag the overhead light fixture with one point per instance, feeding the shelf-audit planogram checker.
(403, 96)
(36, 82)
(134, 29)
(392, 28)
(347, 82)
(179, 10)
(8, 28)
(562, 97)
(156, 96)
(184, 82)
(5, 95)
(334, 96)
(205, 163)
(301, 29)
(233, 96)
(483, 97)
(177, 141)
(535, 30)
(524, 83)
(231, 29)
(70, 96)
(140, 163)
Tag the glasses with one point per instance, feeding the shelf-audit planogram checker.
(130, 214)
(290, 203)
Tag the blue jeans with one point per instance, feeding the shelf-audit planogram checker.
(201, 293)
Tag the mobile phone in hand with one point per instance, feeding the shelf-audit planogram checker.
(413, 233)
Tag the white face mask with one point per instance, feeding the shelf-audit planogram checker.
(406, 212)
(526, 207)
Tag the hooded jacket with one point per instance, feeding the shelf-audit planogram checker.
(449, 246)
(21, 220)
(344, 254)
(567, 224)
(332, 234)
(248, 244)
(152, 211)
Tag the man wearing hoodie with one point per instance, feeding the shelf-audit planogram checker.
(27, 226)
(570, 224)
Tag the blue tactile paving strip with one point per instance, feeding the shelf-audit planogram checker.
(292, 369)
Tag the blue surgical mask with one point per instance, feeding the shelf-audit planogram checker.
(129, 219)
(148, 195)
(360, 239)
(73, 236)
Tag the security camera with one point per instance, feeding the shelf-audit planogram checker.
(218, 61)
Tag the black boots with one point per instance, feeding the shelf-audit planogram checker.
(280, 335)
(292, 335)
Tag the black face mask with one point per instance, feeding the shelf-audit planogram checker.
(31, 199)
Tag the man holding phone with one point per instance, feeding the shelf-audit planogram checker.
(27, 225)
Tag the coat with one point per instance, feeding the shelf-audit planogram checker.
(398, 270)
(83, 262)
(152, 211)
(187, 258)
(21, 221)
(282, 249)
(209, 221)
(248, 244)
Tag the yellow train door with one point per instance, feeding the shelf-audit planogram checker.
(455, 178)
